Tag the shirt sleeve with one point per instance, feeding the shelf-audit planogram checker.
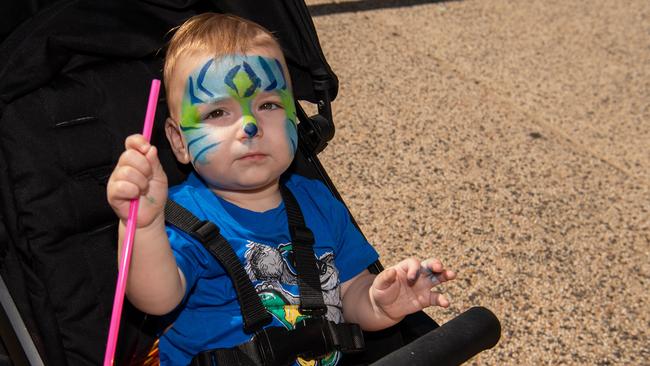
(190, 257)
(353, 252)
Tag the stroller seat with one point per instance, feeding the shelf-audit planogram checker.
(73, 84)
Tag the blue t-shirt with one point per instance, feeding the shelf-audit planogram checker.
(209, 316)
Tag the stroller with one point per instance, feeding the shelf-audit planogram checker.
(73, 82)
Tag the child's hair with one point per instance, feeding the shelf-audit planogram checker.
(220, 34)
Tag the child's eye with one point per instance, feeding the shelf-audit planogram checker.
(269, 106)
(217, 113)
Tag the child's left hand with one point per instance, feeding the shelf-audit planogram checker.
(406, 287)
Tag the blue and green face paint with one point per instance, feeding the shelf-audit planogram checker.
(242, 78)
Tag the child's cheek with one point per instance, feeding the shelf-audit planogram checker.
(202, 140)
(290, 122)
(202, 143)
(292, 135)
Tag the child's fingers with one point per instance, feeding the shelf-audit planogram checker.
(438, 278)
(137, 161)
(152, 154)
(133, 176)
(438, 299)
(156, 168)
(433, 265)
(119, 193)
(412, 268)
(434, 269)
(137, 142)
(124, 190)
(448, 275)
(385, 279)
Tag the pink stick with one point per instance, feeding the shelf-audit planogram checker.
(127, 247)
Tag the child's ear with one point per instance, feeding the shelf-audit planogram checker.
(176, 141)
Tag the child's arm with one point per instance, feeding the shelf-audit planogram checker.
(155, 284)
(378, 301)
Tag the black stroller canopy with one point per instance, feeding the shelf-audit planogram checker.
(73, 83)
(74, 79)
(73, 33)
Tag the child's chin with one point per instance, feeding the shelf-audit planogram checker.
(253, 179)
(244, 184)
(256, 183)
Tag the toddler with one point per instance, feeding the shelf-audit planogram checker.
(232, 116)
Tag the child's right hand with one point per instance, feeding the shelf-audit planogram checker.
(138, 174)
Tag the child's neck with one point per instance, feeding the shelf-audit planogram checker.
(259, 200)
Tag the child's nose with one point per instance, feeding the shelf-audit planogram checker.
(250, 126)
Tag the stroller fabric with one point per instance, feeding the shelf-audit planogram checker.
(74, 83)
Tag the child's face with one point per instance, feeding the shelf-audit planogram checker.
(238, 119)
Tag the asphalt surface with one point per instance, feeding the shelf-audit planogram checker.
(511, 139)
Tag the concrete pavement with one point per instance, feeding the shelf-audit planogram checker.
(511, 139)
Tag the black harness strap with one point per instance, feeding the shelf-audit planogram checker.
(308, 273)
(245, 354)
(313, 338)
(253, 311)
(277, 346)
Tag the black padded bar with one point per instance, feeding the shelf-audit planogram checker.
(452, 343)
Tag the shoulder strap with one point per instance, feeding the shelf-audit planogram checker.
(302, 239)
(253, 312)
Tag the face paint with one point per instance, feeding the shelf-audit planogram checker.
(251, 129)
(241, 78)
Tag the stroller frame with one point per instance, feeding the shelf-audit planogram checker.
(79, 46)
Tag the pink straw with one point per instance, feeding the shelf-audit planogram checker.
(127, 247)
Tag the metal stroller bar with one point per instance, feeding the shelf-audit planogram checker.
(27, 355)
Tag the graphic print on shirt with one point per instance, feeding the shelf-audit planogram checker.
(272, 267)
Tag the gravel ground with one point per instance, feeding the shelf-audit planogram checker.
(511, 139)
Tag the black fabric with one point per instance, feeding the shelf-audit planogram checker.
(64, 233)
(53, 40)
(302, 239)
(12, 13)
(277, 346)
(74, 79)
(254, 313)
(245, 354)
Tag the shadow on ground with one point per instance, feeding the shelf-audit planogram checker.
(366, 5)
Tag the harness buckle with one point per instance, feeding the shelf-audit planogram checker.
(206, 231)
(316, 329)
(310, 339)
(274, 346)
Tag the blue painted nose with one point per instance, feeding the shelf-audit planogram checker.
(250, 129)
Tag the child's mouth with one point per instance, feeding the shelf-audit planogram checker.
(253, 157)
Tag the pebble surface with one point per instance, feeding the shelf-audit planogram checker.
(510, 139)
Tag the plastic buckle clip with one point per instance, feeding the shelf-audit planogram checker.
(315, 329)
(274, 346)
(206, 231)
